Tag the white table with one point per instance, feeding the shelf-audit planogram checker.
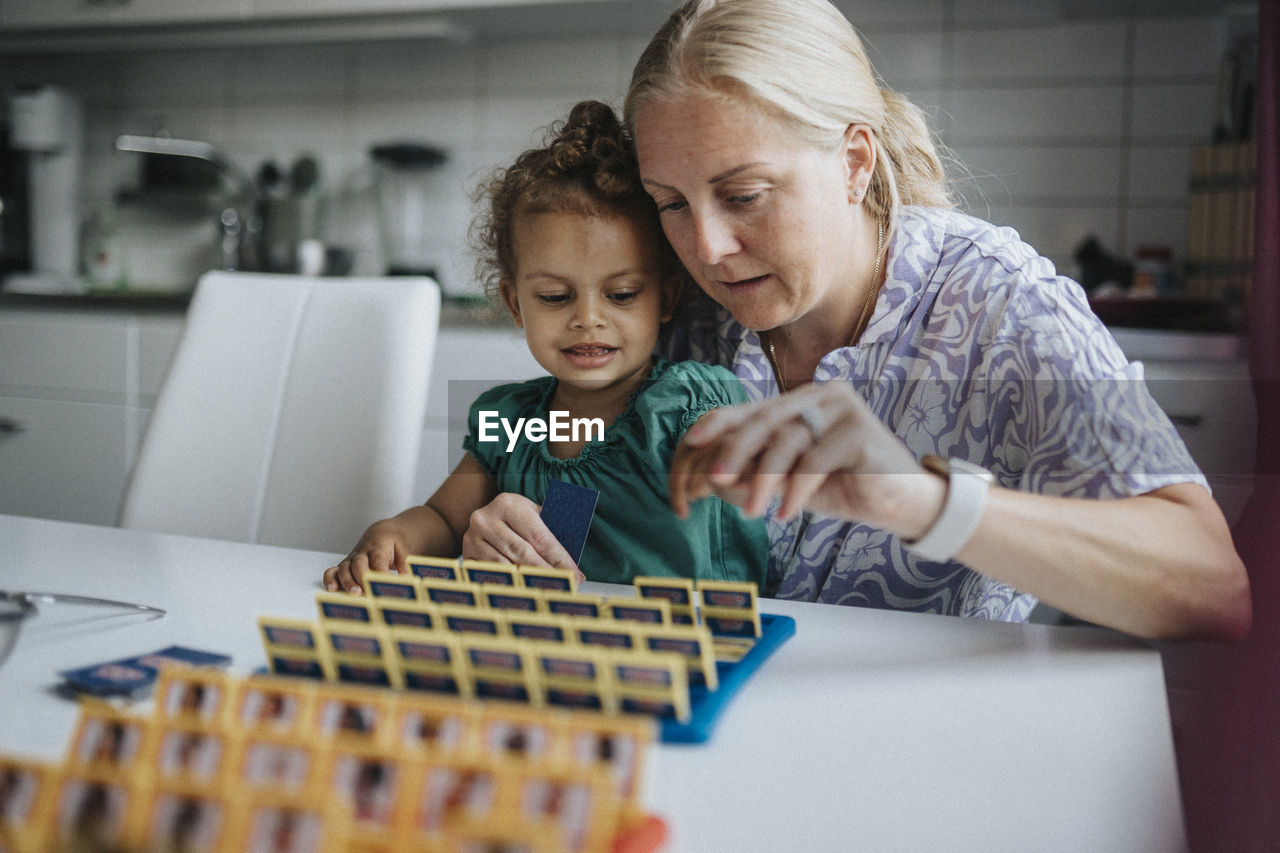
(867, 730)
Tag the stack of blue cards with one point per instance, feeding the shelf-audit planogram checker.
(133, 677)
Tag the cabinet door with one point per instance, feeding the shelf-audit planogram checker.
(62, 387)
(316, 8)
(75, 385)
(66, 462)
(36, 14)
(1211, 403)
(310, 8)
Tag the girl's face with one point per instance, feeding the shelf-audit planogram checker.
(762, 221)
(588, 293)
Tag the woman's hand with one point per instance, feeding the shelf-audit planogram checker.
(382, 548)
(819, 448)
(510, 530)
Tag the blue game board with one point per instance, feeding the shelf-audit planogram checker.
(707, 705)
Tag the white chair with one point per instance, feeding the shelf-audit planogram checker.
(292, 413)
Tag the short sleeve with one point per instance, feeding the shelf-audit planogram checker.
(1070, 412)
(684, 392)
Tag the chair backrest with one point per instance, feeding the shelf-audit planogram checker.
(292, 413)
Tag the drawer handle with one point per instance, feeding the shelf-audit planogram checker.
(12, 426)
(1186, 420)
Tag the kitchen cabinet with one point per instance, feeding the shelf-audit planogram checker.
(67, 461)
(70, 14)
(1201, 381)
(1211, 404)
(314, 8)
(38, 14)
(77, 386)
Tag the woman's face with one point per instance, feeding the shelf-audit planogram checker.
(762, 220)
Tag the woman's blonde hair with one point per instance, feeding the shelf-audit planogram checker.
(802, 62)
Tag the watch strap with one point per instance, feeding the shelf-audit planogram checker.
(967, 487)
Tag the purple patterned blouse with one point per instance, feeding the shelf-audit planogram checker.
(976, 349)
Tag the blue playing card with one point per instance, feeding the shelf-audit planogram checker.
(135, 675)
(567, 511)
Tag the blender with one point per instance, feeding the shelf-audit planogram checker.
(408, 185)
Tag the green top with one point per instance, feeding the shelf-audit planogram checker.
(634, 531)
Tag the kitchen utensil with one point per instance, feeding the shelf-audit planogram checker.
(17, 607)
(291, 210)
(304, 177)
(409, 189)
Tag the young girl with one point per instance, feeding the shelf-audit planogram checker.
(572, 246)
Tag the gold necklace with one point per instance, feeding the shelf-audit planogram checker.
(872, 292)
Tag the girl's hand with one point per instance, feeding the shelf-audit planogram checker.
(510, 530)
(818, 448)
(381, 549)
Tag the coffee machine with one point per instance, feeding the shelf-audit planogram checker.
(46, 132)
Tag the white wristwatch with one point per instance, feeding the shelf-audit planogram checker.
(967, 487)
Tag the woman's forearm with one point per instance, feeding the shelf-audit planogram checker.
(1160, 565)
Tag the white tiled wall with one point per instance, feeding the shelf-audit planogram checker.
(1063, 127)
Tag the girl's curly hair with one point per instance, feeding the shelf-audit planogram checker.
(586, 166)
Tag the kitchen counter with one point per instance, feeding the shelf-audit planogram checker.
(455, 311)
(1138, 342)
(106, 301)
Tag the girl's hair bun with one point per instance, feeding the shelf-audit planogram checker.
(586, 166)
(592, 143)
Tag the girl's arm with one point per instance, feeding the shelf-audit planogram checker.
(435, 528)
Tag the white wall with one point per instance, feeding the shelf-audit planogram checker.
(1066, 126)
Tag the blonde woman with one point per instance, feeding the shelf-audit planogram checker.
(939, 423)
